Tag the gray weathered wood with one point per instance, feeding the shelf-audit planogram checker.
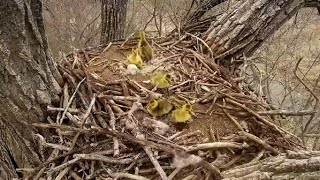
(291, 165)
(27, 83)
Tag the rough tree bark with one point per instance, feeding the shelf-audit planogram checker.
(248, 24)
(204, 7)
(113, 19)
(194, 21)
(28, 83)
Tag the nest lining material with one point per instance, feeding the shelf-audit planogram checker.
(102, 129)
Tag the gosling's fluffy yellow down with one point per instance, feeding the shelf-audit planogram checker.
(144, 47)
(135, 58)
(182, 114)
(160, 80)
(159, 107)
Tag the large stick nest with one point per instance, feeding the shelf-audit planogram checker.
(102, 129)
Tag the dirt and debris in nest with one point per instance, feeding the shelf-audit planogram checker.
(102, 128)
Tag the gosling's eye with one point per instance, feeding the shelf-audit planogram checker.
(168, 76)
(188, 106)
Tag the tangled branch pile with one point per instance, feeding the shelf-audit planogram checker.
(103, 130)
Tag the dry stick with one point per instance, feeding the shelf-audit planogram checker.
(73, 119)
(124, 89)
(86, 115)
(194, 133)
(41, 168)
(65, 95)
(174, 173)
(213, 169)
(63, 173)
(129, 98)
(190, 177)
(232, 118)
(112, 123)
(145, 89)
(177, 42)
(106, 159)
(200, 58)
(260, 118)
(72, 80)
(127, 176)
(63, 166)
(204, 43)
(97, 130)
(49, 108)
(215, 145)
(181, 84)
(153, 170)
(258, 156)
(70, 101)
(74, 175)
(175, 135)
(288, 113)
(155, 163)
(57, 146)
(105, 49)
(259, 141)
(128, 38)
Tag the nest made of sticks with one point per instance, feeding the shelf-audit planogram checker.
(102, 129)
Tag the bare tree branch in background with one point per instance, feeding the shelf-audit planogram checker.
(113, 20)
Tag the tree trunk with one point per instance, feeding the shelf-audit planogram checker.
(247, 25)
(28, 83)
(194, 21)
(204, 7)
(113, 20)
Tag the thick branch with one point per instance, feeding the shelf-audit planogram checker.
(247, 25)
(285, 166)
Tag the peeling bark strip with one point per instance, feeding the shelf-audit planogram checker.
(113, 20)
(247, 25)
(27, 83)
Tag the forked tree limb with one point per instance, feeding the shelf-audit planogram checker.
(248, 24)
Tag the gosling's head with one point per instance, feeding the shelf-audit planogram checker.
(187, 107)
(153, 104)
(141, 34)
(167, 77)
